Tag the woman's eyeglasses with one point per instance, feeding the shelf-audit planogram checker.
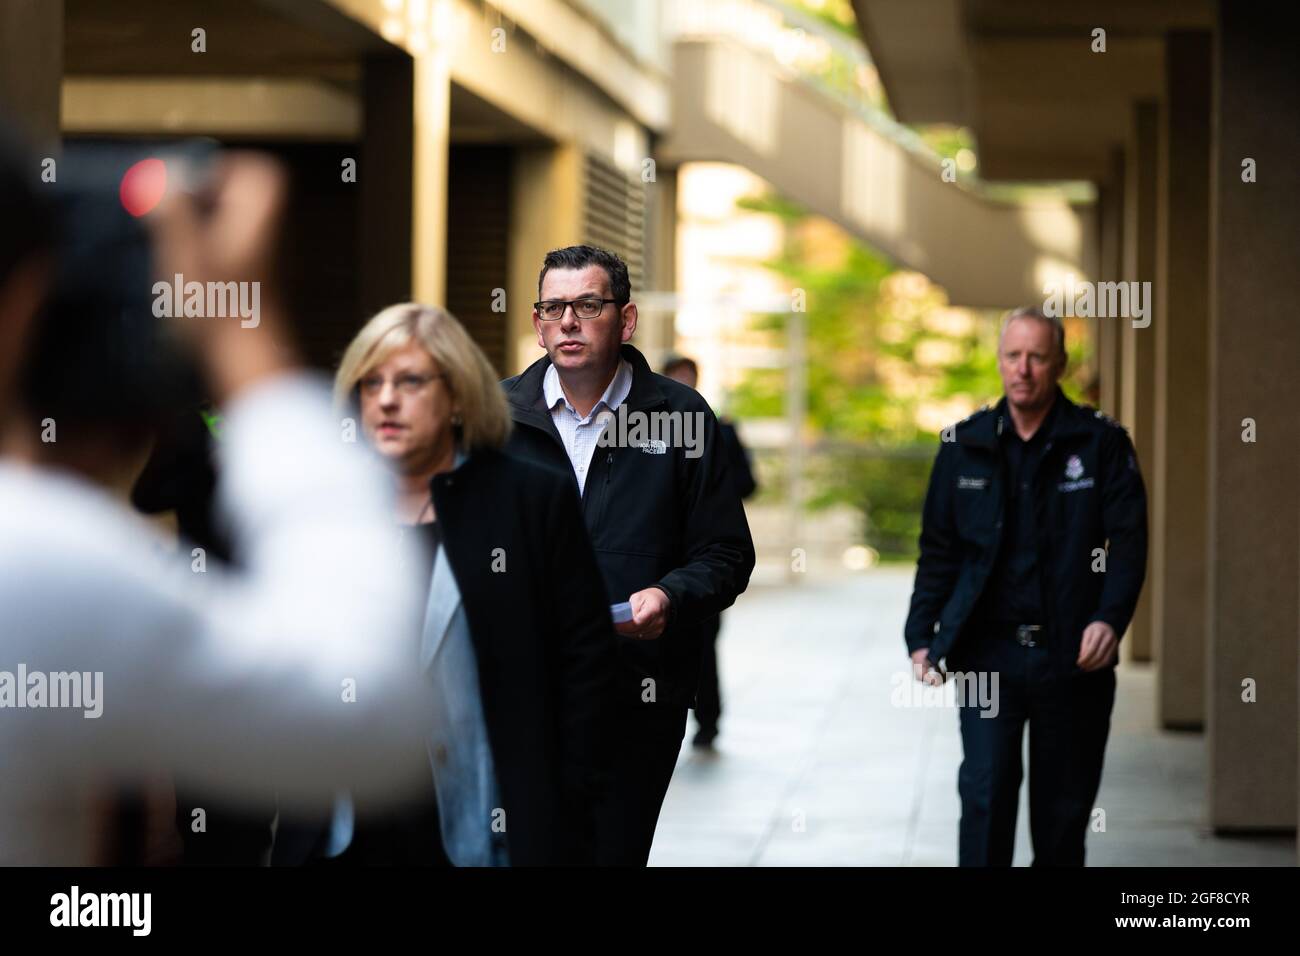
(408, 384)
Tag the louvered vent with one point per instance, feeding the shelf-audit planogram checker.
(614, 216)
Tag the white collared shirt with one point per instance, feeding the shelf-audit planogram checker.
(579, 434)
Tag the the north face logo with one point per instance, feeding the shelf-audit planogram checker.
(1074, 468)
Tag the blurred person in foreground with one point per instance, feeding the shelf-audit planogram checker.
(114, 662)
(708, 699)
(517, 640)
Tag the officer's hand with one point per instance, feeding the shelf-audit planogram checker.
(923, 670)
(1098, 646)
(649, 615)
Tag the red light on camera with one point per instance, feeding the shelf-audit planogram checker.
(143, 186)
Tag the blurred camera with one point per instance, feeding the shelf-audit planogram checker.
(100, 356)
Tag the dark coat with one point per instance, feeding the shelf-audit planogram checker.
(1089, 495)
(654, 519)
(545, 647)
(738, 463)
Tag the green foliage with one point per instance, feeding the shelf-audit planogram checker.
(876, 354)
(946, 141)
(834, 13)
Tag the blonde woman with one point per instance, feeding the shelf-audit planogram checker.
(517, 638)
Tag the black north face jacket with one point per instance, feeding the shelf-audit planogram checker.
(1089, 499)
(655, 517)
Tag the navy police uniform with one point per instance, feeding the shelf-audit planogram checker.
(1023, 545)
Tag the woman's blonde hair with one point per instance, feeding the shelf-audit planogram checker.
(470, 376)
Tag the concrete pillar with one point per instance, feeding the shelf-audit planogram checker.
(385, 179)
(1181, 466)
(1110, 214)
(1137, 385)
(432, 141)
(546, 212)
(660, 332)
(1254, 537)
(31, 69)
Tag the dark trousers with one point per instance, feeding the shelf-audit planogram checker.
(708, 697)
(1069, 721)
(233, 835)
(647, 741)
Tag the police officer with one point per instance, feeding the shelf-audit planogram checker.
(1033, 552)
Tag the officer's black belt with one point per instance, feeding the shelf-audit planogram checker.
(1026, 635)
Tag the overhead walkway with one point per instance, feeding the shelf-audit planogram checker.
(762, 85)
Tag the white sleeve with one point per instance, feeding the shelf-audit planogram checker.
(297, 670)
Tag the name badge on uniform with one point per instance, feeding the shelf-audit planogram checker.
(971, 484)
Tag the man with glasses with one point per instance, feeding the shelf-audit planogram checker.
(667, 524)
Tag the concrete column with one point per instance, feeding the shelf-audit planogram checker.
(1181, 465)
(385, 179)
(1110, 209)
(31, 69)
(660, 331)
(1254, 534)
(1137, 386)
(432, 141)
(546, 212)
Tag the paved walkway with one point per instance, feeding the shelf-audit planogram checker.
(817, 766)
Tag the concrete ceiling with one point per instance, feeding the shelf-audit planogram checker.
(475, 120)
(1021, 74)
(244, 38)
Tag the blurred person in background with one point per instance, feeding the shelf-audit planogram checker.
(517, 641)
(114, 662)
(708, 699)
(180, 478)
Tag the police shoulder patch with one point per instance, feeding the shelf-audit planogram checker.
(975, 414)
(1102, 417)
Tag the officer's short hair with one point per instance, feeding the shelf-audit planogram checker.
(1031, 312)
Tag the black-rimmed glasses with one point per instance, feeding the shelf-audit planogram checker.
(587, 307)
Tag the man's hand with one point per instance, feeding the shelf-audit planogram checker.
(923, 670)
(1098, 646)
(649, 615)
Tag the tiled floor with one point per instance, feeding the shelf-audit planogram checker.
(819, 765)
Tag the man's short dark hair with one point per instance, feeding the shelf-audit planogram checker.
(579, 257)
(27, 222)
(681, 361)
